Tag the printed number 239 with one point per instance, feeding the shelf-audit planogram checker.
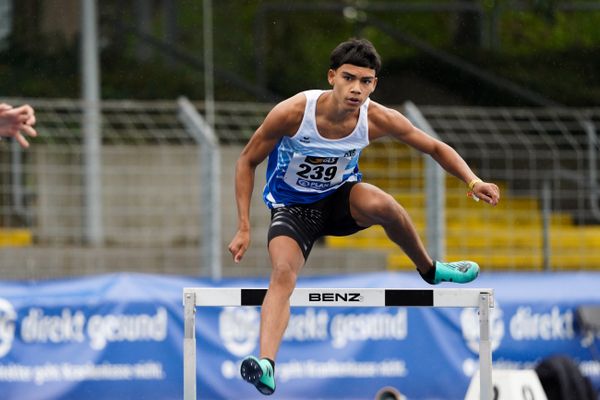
(318, 172)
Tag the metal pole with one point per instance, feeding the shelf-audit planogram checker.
(546, 211)
(435, 199)
(493, 39)
(593, 143)
(6, 18)
(435, 191)
(215, 218)
(210, 168)
(189, 347)
(209, 97)
(143, 12)
(485, 348)
(16, 170)
(210, 183)
(213, 156)
(91, 124)
(170, 31)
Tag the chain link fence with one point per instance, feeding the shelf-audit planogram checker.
(544, 161)
(153, 212)
(149, 194)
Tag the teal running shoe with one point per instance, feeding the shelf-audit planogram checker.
(458, 272)
(259, 373)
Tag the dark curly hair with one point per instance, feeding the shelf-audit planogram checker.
(359, 52)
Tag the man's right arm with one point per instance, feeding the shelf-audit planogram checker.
(253, 154)
(281, 121)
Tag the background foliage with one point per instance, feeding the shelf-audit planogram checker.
(537, 44)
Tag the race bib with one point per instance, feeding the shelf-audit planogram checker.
(309, 174)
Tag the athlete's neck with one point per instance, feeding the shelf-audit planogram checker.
(334, 110)
(334, 121)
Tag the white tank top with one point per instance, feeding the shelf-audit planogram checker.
(307, 167)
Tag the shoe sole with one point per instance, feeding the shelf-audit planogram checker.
(251, 373)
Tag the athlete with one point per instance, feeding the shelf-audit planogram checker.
(17, 122)
(313, 141)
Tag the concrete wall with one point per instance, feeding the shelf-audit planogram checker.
(151, 216)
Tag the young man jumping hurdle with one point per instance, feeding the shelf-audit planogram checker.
(313, 141)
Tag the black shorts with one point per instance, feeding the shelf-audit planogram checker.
(305, 223)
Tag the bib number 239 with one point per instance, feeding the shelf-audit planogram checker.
(319, 172)
(315, 173)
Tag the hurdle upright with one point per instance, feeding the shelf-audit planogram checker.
(347, 297)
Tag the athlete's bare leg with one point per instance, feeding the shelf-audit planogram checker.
(286, 261)
(370, 205)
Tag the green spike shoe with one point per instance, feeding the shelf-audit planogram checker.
(458, 272)
(259, 373)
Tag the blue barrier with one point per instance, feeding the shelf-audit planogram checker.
(120, 337)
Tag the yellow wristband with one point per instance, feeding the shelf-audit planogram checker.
(473, 182)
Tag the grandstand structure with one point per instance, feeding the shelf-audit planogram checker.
(544, 160)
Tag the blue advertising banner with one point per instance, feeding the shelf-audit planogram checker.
(120, 337)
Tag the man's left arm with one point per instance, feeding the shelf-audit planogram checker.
(399, 127)
(452, 162)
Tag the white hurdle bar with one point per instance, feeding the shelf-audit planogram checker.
(350, 297)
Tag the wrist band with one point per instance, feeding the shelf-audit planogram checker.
(473, 183)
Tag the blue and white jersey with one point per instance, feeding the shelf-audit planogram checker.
(307, 167)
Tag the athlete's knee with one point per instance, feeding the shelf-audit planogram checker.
(383, 208)
(283, 276)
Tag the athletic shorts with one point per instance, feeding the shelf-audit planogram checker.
(305, 223)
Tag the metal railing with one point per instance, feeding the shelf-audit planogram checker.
(150, 177)
(210, 169)
(546, 155)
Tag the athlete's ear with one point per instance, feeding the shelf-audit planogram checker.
(330, 76)
(374, 84)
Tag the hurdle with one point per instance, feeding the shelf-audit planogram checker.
(338, 297)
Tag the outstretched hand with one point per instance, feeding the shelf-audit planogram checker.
(239, 244)
(488, 192)
(17, 122)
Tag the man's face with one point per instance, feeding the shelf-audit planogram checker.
(352, 84)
